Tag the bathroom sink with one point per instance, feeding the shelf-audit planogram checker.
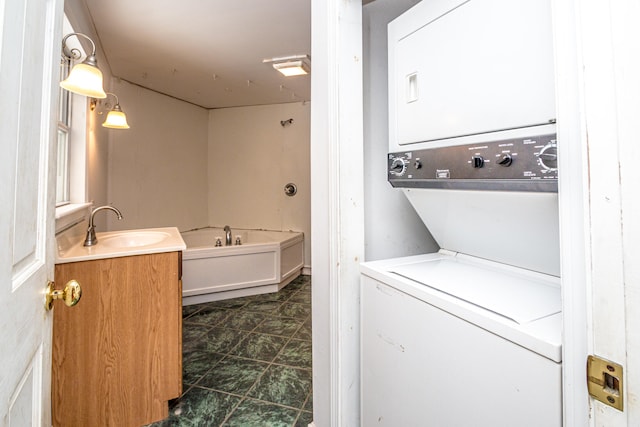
(133, 239)
(119, 243)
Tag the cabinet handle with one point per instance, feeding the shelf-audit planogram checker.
(70, 294)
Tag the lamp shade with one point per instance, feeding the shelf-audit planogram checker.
(116, 119)
(292, 68)
(85, 79)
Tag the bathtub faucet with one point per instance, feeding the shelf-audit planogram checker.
(227, 230)
(91, 239)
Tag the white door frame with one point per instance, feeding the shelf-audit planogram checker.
(573, 195)
(337, 215)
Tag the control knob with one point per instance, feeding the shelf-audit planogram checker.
(548, 156)
(477, 162)
(505, 160)
(398, 167)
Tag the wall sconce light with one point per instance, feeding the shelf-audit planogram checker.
(295, 65)
(85, 78)
(116, 118)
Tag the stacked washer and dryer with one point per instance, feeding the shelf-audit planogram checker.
(470, 335)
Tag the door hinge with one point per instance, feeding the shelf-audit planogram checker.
(605, 381)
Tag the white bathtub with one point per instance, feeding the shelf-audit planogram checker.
(266, 261)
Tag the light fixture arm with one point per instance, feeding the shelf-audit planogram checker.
(94, 103)
(75, 53)
(117, 101)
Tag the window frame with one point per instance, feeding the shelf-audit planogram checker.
(76, 208)
(63, 181)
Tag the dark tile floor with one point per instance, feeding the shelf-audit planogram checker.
(247, 361)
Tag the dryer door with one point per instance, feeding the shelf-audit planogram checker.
(483, 66)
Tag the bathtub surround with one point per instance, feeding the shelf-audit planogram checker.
(266, 261)
(251, 159)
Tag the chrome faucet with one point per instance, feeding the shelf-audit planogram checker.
(91, 239)
(227, 230)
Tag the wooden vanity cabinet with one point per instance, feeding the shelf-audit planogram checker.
(117, 354)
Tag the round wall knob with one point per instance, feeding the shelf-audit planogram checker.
(290, 189)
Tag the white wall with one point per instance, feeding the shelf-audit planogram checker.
(97, 156)
(185, 166)
(392, 227)
(158, 167)
(251, 158)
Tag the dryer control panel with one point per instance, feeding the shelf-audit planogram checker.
(520, 164)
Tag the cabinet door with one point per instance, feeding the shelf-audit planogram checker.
(117, 355)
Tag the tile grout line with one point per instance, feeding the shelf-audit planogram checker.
(246, 394)
(268, 315)
(268, 362)
(224, 357)
(272, 363)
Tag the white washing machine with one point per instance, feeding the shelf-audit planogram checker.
(471, 335)
(452, 340)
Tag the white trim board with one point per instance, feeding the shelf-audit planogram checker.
(337, 208)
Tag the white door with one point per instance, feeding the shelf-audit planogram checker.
(29, 70)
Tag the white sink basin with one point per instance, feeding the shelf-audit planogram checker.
(133, 239)
(119, 243)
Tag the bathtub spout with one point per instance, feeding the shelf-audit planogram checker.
(227, 230)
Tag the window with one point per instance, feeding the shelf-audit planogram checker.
(71, 177)
(64, 131)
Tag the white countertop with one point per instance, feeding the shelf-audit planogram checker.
(166, 239)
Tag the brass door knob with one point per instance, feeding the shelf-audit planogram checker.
(70, 294)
